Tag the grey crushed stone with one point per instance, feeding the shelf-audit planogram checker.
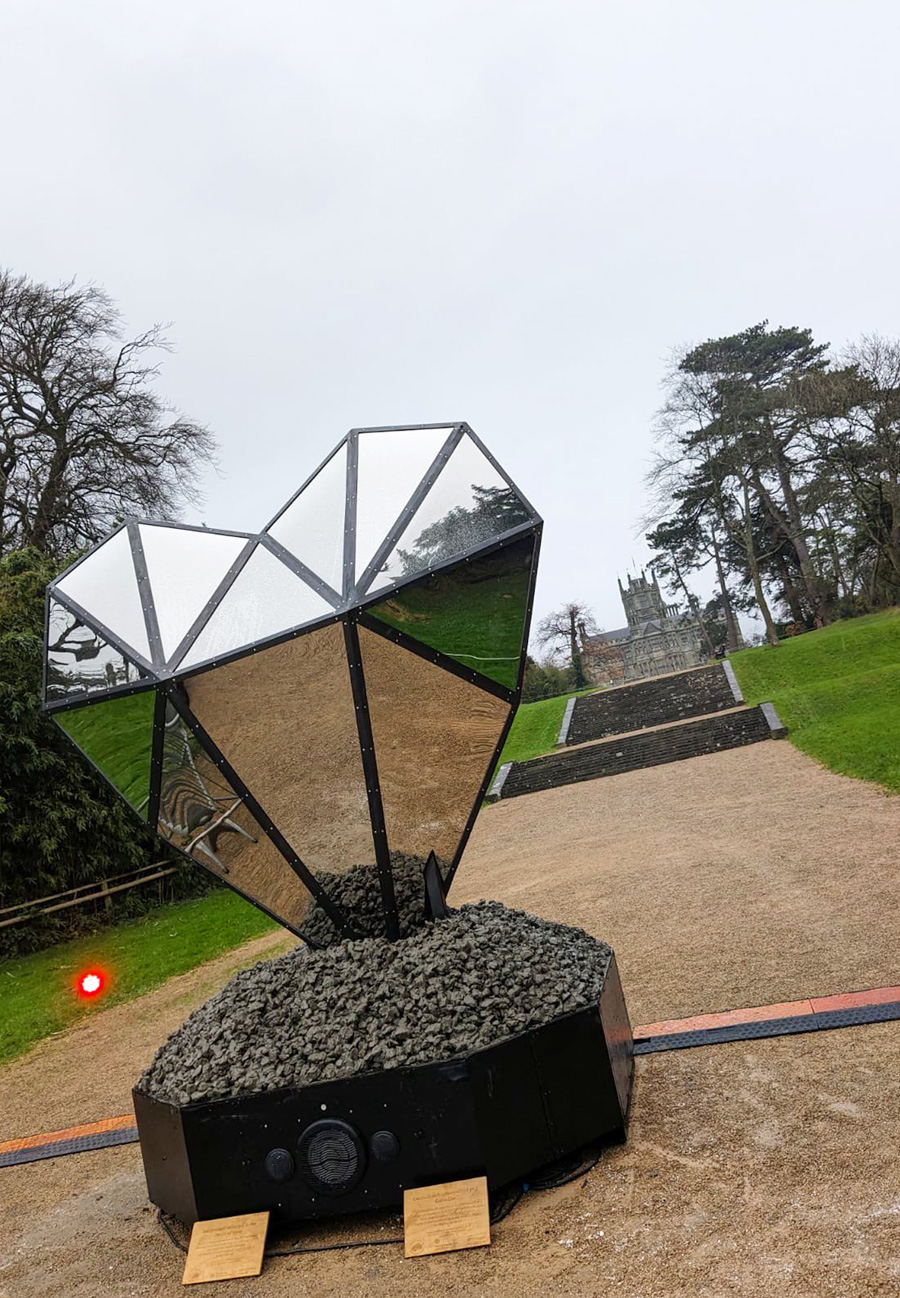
(483, 974)
(358, 893)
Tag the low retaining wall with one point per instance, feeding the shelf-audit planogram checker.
(710, 734)
(651, 703)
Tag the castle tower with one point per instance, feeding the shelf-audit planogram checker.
(642, 600)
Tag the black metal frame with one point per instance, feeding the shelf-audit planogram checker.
(349, 608)
(373, 788)
(151, 621)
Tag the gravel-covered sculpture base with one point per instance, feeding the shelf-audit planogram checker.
(483, 974)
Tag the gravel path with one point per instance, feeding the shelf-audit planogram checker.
(741, 878)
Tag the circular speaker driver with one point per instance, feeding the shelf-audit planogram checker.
(331, 1156)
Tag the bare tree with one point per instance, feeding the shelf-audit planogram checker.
(561, 632)
(84, 438)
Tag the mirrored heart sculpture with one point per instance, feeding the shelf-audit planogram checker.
(319, 703)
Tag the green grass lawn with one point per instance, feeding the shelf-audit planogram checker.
(37, 992)
(536, 728)
(838, 692)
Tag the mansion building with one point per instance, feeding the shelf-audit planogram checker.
(657, 639)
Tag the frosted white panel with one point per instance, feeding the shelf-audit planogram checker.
(266, 598)
(312, 527)
(469, 504)
(184, 570)
(391, 466)
(105, 585)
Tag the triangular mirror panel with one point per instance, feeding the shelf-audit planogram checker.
(79, 660)
(265, 599)
(469, 504)
(117, 736)
(312, 526)
(391, 466)
(184, 566)
(284, 719)
(435, 738)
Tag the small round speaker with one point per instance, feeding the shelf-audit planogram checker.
(331, 1156)
(384, 1146)
(279, 1165)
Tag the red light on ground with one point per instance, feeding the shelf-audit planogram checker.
(90, 983)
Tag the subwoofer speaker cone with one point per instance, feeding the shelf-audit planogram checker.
(331, 1156)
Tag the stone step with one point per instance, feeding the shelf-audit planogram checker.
(710, 734)
(650, 703)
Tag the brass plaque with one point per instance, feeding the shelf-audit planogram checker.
(226, 1248)
(441, 1218)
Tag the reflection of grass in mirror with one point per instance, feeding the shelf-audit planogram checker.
(117, 736)
(476, 619)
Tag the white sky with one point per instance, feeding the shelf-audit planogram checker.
(371, 213)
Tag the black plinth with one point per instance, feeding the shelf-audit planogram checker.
(358, 1143)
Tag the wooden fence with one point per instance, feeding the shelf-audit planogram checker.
(80, 896)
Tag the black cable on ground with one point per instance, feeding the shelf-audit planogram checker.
(556, 1175)
(327, 1248)
(562, 1173)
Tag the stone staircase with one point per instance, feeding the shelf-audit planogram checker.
(655, 702)
(670, 718)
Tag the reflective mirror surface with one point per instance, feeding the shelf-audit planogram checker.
(117, 735)
(391, 466)
(201, 815)
(80, 661)
(474, 612)
(469, 504)
(105, 585)
(184, 568)
(284, 718)
(312, 718)
(434, 739)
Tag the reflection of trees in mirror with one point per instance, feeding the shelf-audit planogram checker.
(78, 658)
(67, 642)
(496, 510)
(196, 804)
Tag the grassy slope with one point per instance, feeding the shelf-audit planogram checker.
(838, 692)
(37, 992)
(535, 729)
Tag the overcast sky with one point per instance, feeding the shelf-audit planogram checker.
(393, 211)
